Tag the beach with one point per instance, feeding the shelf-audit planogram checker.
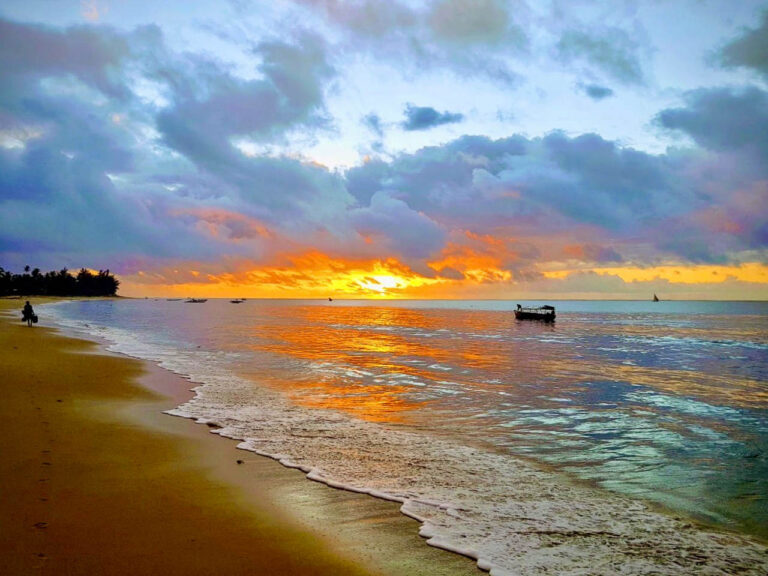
(464, 425)
(96, 480)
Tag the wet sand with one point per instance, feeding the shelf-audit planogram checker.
(96, 480)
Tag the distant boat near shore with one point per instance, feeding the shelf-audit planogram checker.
(196, 300)
(542, 313)
(237, 301)
(655, 298)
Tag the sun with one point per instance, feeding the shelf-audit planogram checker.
(382, 283)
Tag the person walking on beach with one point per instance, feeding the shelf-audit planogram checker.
(28, 314)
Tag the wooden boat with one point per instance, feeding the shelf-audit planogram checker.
(196, 300)
(543, 313)
(237, 301)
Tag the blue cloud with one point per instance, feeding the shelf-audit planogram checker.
(723, 119)
(750, 50)
(609, 50)
(425, 117)
(597, 92)
(373, 123)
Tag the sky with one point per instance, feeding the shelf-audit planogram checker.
(389, 149)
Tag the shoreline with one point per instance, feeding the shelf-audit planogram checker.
(610, 542)
(156, 493)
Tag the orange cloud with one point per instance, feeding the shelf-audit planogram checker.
(480, 260)
(308, 275)
(225, 224)
(756, 272)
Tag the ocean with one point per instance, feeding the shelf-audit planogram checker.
(623, 433)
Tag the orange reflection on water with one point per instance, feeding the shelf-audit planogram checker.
(360, 344)
(370, 402)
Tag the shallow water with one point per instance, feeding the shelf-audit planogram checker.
(665, 402)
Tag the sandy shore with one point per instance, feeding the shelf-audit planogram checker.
(96, 480)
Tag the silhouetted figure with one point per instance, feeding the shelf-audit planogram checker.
(28, 314)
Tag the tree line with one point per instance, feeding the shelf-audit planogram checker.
(61, 283)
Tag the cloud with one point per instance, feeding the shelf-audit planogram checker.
(397, 227)
(94, 57)
(474, 22)
(591, 253)
(135, 153)
(750, 50)
(612, 51)
(553, 193)
(722, 119)
(96, 177)
(461, 36)
(203, 118)
(373, 123)
(425, 117)
(596, 92)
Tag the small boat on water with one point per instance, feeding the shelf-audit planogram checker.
(237, 301)
(172, 299)
(196, 300)
(655, 298)
(543, 313)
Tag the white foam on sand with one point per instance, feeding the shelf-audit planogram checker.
(512, 517)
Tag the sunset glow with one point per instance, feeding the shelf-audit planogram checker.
(395, 149)
(692, 274)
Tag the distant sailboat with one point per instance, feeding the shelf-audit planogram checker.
(655, 298)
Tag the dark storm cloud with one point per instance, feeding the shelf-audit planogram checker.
(750, 50)
(425, 117)
(611, 51)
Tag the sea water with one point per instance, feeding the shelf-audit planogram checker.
(612, 438)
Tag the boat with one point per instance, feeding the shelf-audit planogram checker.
(237, 301)
(196, 300)
(173, 299)
(543, 313)
(655, 298)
